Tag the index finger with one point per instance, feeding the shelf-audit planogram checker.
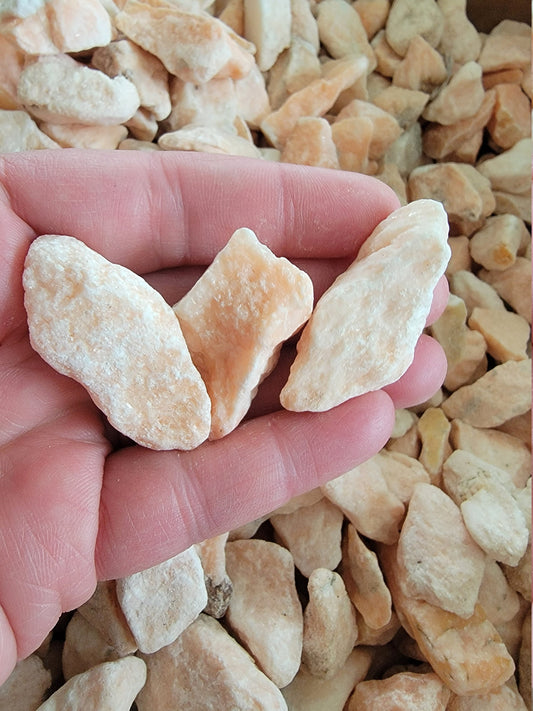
(156, 210)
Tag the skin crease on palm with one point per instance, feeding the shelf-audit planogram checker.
(77, 503)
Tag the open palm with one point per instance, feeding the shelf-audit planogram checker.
(77, 502)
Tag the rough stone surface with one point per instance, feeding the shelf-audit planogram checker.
(410, 18)
(352, 137)
(62, 26)
(362, 336)
(406, 105)
(160, 602)
(311, 143)
(207, 139)
(313, 100)
(235, 319)
(365, 499)
(460, 98)
(511, 119)
(59, 89)
(342, 32)
(10, 70)
(404, 690)
(467, 654)
(474, 292)
(211, 103)
(193, 46)
(511, 170)
(219, 587)
(434, 429)
(330, 628)
(205, 669)
(500, 449)
(460, 39)
(422, 68)
(465, 349)
(364, 581)
(505, 698)
(434, 539)
(506, 333)
(500, 602)
(464, 193)
(146, 72)
(267, 25)
(18, 132)
(502, 393)
(110, 686)
(495, 522)
(70, 290)
(264, 610)
(497, 244)
(385, 128)
(440, 142)
(312, 534)
(513, 285)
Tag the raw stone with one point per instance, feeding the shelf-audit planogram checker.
(330, 628)
(205, 669)
(134, 363)
(264, 612)
(235, 319)
(58, 89)
(434, 539)
(110, 686)
(312, 534)
(161, 601)
(364, 329)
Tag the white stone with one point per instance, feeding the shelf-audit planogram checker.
(205, 669)
(110, 686)
(443, 564)
(264, 610)
(60, 90)
(160, 602)
(364, 329)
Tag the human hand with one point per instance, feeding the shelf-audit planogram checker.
(79, 504)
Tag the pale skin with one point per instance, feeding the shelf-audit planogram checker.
(77, 503)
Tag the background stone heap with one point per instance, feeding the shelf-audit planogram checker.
(408, 577)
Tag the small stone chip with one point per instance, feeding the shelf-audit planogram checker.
(59, 89)
(193, 46)
(162, 601)
(205, 668)
(364, 581)
(104, 326)
(264, 611)
(433, 539)
(364, 329)
(468, 654)
(110, 686)
(312, 534)
(330, 628)
(235, 319)
(406, 690)
(502, 393)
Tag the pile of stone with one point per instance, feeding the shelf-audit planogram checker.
(408, 579)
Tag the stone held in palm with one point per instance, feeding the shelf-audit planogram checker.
(104, 326)
(364, 329)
